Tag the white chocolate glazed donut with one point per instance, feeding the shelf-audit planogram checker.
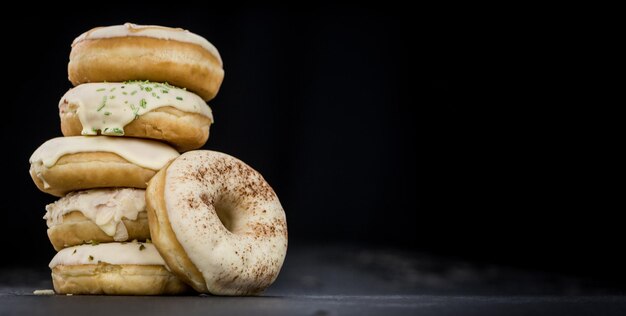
(140, 109)
(217, 223)
(65, 164)
(113, 269)
(135, 52)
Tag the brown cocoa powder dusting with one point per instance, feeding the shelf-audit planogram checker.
(206, 200)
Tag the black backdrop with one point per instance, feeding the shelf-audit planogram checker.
(373, 128)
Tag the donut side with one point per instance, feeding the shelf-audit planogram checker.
(76, 229)
(115, 269)
(87, 170)
(164, 237)
(182, 64)
(111, 279)
(183, 130)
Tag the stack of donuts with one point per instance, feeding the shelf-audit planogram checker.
(141, 211)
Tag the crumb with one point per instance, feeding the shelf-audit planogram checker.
(43, 292)
(69, 294)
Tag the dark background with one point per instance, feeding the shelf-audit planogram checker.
(375, 128)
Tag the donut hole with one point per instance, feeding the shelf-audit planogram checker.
(225, 212)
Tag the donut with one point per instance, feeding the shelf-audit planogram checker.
(137, 52)
(114, 269)
(141, 109)
(217, 223)
(97, 216)
(65, 164)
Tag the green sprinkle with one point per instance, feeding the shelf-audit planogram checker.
(95, 130)
(115, 131)
(148, 89)
(90, 258)
(143, 103)
(133, 93)
(179, 98)
(148, 241)
(126, 102)
(104, 102)
(165, 91)
(112, 97)
(154, 94)
(112, 89)
(101, 89)
(94, 242)
(135, 110)
(142, 247)
(124, 93)
(107, 113)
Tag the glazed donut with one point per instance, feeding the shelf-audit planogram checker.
(155, 53)
(217, 223)
(139, 109)
(97, 215)
(65, 164)
(114, 269)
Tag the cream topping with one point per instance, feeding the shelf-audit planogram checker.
(105, 207)
(108, 107)
(112, 253)
(145, 153)
(154, 31)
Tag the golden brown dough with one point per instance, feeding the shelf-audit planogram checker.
(116, 279)
(181, 64)
(162, 234)
(77, 229)
(89, 170)
(184, 131)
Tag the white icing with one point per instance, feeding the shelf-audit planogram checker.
(105, 207)
(109, 107)
(112, 253)
(154, 31)
(145, 153)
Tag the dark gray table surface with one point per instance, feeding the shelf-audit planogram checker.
(344, 280)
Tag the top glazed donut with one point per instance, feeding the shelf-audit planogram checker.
(134, 52)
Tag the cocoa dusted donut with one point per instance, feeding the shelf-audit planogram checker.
(65, 164)
(141, 109)
(114, 269)
(97, 216)
(156, 53)
(217, 223)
